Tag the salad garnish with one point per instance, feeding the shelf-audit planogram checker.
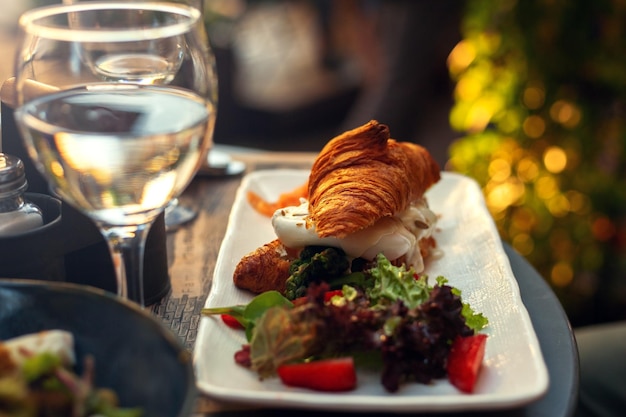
(43, 382)
(383, 317)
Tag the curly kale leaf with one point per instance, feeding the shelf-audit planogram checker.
(392, 283)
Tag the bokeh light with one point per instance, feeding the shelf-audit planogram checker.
(555, 159)
(543, 122)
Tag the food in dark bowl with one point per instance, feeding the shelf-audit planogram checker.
(134, 355)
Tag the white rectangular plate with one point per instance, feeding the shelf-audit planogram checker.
(473, 260)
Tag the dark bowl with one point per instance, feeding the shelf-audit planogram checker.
(135, 354)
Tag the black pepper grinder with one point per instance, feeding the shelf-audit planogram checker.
(17, 215)
(29, 227)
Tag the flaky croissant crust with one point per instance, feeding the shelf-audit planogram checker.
(363, 175)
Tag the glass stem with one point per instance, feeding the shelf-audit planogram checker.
(127, 245)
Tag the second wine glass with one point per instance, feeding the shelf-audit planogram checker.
(117, 105)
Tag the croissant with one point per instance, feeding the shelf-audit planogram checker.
(266, 268)
(362, 175)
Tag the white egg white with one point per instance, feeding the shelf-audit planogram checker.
(393, 236)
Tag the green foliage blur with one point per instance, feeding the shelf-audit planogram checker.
(540, 98)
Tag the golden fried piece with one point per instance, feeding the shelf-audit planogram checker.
(362, 175)
(265, 269)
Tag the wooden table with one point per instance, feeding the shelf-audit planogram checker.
(193, 249)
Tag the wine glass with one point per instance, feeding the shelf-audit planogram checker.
(176, 214)
(117, 105)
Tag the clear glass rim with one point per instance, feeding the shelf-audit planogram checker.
(31, 22)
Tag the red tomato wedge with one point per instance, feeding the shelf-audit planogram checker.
(232, 322)
(323, 375)
(465, 360)
(328, 295)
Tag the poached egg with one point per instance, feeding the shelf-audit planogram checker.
(393, 236)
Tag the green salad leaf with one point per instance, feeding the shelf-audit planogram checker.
(248, 314)
(397, 283)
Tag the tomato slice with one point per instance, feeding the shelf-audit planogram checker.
(231, 322)
(465, 360)
(337, 374)
(328, 295)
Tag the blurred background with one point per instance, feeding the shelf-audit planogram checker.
(527, 97)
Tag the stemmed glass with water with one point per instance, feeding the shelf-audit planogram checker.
(116, 105)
